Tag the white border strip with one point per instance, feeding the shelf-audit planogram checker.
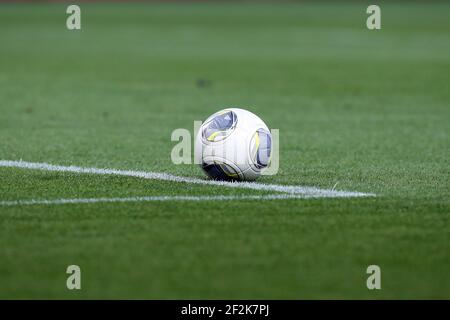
(304, 192)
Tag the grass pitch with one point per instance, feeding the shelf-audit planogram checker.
(368, 110)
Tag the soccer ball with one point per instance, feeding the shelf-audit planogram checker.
(233, 145)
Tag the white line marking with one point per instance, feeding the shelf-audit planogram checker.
(152, 199)
(310, 192)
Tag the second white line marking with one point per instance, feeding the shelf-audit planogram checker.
(151, 199)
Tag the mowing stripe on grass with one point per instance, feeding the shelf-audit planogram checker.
(153, 199)
(310, 192)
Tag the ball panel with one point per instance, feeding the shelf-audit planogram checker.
(219, 126)
(264, 148)
(220, 171)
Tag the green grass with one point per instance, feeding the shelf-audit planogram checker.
(367, 109)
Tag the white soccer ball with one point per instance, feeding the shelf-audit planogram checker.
(233, 144)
